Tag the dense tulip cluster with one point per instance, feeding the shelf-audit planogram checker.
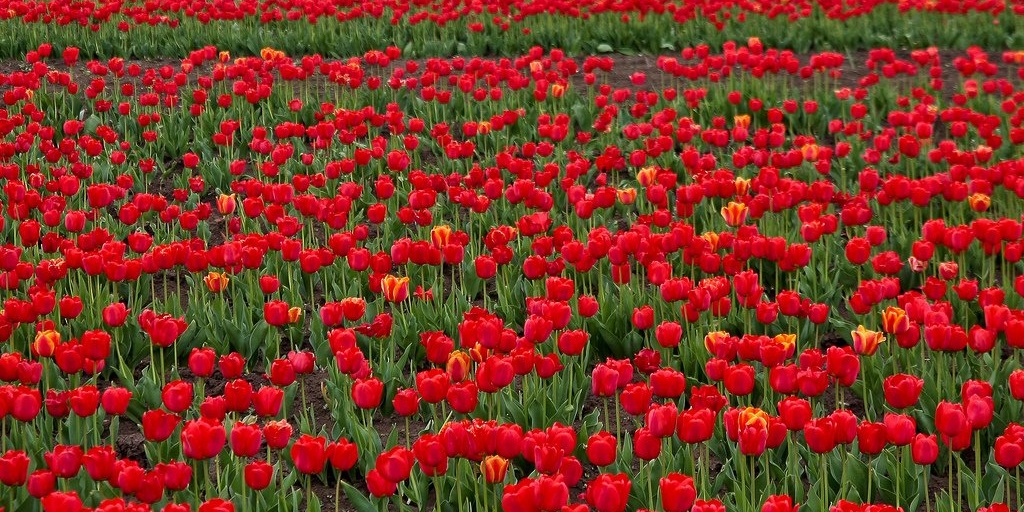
(739, 278)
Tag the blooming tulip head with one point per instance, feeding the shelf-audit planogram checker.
(866, 341)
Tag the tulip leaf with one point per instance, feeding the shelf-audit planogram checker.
(516, 411)
(358, 501)
(290, 478)
(993, 479)
(604, 48)
(857, 475)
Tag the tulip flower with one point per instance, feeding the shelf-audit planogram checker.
(395, 289)
(609, 493)
(258, 475)
(677, 492)
(735, 214)
(309, 454)
(866, 341)
(216, 282)
(895, 320)
(202, 439)
(494, 469)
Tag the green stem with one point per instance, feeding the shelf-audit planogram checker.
(824, 483)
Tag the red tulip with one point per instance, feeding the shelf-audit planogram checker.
(1016, 384)
(202, 439)
(98, 462)
(1009, 451)
(277, 433)
(708, 506)
(820, 435)
(601, 449)
(14, 468)
(902, 390)
(379, 486)
(276, 313)
(739, 379)
(282, 373)
(858, 250)
(158, 425)
(432, 385)
(231, 365)
(899, 428)
(661, 420)
(258, 475)
(794, 412)
(84, 401)
(646, 445)
(609, 493)
(668, 334)
(871, 438)
(238, 395)
(201, 361)
(65, 501)
(395, 464)
(635, 398)
(950, 419)
(41, 483)
(309, 454)
(779, 504)
(643, 317)
(604, 381)
(924, 449)
(342, 454)
(175, 476)
(246, 439)
(267, 401)
(367, 393)
(177, 396)
(217, 505)
(677, 492)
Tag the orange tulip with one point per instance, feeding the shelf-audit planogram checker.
(626, 195)
(216, 282)
(741, 121)
(714, 339)
(865, 341)
(742, 186)
(440, 236)
(645, 177)
(458, 366)
(226, 204)
(557, 90)
(734, 213)
(395, 289)
(810, 152)
(494, 469)
(45, 343)
(712, 239)
(979, 202)
(786, 340)
(895, 320)
(294, 314)
(752, 417)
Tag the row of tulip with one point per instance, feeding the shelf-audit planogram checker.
(512, 284)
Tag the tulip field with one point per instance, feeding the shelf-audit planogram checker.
(533, 256)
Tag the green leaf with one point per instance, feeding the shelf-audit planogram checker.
(604, 48)
(360, 502)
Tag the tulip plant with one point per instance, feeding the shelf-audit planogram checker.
(732, 277)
